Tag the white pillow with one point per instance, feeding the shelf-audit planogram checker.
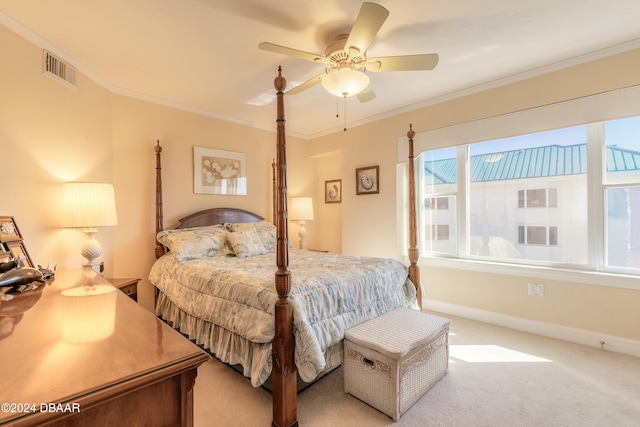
(246, 244)
(196, 243)
(265, 231)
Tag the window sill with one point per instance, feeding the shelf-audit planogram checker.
(597, 278)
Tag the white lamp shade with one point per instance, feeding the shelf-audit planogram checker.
(88, 204)
(345, 82)
(302, 208)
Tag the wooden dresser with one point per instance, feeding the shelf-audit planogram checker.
(143, 373)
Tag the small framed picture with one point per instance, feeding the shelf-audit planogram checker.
(5, 256)
(18, 251)
(219, 172)
(9, 230)
(367, 180)
(333, 191)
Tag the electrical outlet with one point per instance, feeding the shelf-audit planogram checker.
(535, 289)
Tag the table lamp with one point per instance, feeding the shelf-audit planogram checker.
(89, 205)
(302, 211)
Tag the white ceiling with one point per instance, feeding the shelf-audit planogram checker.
(202, 55)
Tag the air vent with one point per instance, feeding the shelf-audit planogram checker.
(59, 70)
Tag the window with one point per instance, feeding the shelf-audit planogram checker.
(533, 199)
(622, 193)
(537, 235)
(513, 189)
(438, 213)
(439, 232)
(553, 236)
(537, 198)
(437, 203)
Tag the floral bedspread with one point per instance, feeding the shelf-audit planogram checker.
(330, 293)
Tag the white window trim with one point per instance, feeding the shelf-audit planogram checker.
(598, 278)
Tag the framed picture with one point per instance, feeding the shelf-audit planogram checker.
(219, 172)
(367, 180)
(18, 251)
(5, 256)
(333, 191)
(9, 230)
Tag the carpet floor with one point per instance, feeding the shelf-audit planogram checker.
(497, 377)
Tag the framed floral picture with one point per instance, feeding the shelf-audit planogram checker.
(367, 180)
(219, 172)
(333, 191)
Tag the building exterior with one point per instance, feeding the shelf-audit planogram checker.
(532, 204)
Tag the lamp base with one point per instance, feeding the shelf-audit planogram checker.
(302, 233)
(91, 249)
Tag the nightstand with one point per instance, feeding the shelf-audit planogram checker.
(128, 286)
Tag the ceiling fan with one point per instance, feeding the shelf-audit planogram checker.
(346, 61)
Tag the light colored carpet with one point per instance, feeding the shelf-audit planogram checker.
(497, 377)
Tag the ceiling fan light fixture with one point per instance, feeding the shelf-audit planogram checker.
(345, 82)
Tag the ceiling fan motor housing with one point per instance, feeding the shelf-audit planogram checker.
(343, 56)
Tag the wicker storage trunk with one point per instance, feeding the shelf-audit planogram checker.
(391, 361)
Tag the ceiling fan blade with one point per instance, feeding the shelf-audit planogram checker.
(366, 95)
(367, 24)
(293, 52)
(403, 63)
(306, 85)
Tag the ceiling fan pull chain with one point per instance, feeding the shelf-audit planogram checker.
(337, 106)
(345, 112)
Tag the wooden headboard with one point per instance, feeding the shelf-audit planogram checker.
(218, 216)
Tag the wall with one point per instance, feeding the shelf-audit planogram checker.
(368, 222)
(49, 134)
(328, 231)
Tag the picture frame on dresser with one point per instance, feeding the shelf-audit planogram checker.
(5, 256)
(9, 231)
(19, 251)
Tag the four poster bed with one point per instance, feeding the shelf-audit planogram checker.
(214, 278)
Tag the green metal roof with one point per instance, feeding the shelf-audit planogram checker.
(551, 160)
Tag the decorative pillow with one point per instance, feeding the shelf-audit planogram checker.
(265, 231)
(196, 243)
(246, 244)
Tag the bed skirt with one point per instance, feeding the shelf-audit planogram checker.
(230, 348)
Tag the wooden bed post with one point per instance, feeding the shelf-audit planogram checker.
(160, 250)
(274, 188)
(414, 254)
(283, 370)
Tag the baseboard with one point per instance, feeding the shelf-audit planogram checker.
(579, 336)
